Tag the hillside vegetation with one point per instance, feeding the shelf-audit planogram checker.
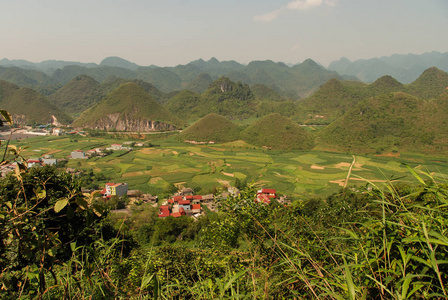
(390, 122)
(28, 107)
(277, 132)
(128, 108)
(212, 127)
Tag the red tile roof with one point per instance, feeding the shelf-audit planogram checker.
(177, 198)
(263, 198)
(196, 206)
(33, 161)
(189, 197)
(268, 191)
(164, 211)
(197, 197)
(184, 202)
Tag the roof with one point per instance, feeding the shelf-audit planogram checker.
(115, 184)
(197, 197)
(164, 211)
(267, 191)
(263, 198)
(189, 197)
(184, 202)
(33, 161)
(177, 198)
(196, 206)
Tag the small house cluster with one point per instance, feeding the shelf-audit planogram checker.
(266, 195)
(184, 203)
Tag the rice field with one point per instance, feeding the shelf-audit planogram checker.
(296, 174)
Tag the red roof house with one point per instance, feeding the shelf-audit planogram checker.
(164, 211)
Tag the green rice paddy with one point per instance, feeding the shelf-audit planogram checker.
(296, 174)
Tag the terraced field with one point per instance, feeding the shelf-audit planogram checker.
(296, 174)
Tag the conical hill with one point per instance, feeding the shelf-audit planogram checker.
(212, 127)
(28, 107)
(79, 94)
(275, 131)
(128, 108)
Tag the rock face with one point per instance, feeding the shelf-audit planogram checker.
(127, 123)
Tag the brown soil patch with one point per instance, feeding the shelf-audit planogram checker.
(224, 182)
(154, 180)
(316, 167)
(151, 151)
(344, 165)
(175, 152)
(341, 182)
(136, 173)
(53, 151)
(228, 174)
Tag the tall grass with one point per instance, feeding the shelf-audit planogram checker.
(399, 252)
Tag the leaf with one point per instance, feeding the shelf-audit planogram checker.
(6, 116)
(42, 194)
(349, 281)
(82, 203)
(73, 246)
(60, 205)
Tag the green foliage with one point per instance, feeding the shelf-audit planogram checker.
(28, 106)
(212, 127)
(42, 212)
(79, 94)
(279, 133)
(387, 121)
(128, 102)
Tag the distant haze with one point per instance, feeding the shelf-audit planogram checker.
(172, 32)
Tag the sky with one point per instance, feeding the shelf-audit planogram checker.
(172, 32)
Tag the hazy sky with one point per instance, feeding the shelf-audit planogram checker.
(171, 32)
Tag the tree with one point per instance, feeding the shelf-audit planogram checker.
(42, 211)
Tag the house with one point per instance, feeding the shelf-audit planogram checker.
(116, 146)
(208, 197)
(185, 205)
(78, 154)
(57, 131)
(186, 192)
(266, 195)
(164, 211)
(178, 214)
(196, 208)
(49, 161)
(33, 162)
(115, 189)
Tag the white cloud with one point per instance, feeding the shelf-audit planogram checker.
(307, 4)
(293, 5)
(269, 16)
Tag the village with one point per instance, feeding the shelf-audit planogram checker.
(185, 202)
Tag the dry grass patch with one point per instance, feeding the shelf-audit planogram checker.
(316, 167)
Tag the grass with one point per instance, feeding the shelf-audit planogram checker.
(296, 174)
